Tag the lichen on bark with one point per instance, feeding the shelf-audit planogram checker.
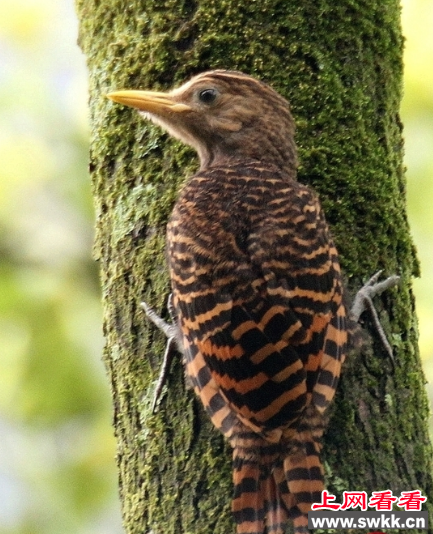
(340, 65)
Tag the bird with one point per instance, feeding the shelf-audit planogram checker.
(257, 301)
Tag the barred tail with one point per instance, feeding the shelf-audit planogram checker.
(248, 504)
(304, 474)
(257, 504)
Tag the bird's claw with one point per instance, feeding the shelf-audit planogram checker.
(169, 329)
(364, 300)
(174, 343)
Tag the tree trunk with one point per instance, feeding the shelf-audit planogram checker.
(339, 62)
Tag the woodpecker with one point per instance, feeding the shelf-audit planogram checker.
(257, 295)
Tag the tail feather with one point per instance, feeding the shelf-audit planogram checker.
(275, 482)
(248, 503)
(304, 474)
(257, 473)
(276, 492)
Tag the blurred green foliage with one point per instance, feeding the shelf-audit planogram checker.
(57, 469)
(417, 116)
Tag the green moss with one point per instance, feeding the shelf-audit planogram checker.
(340, 65)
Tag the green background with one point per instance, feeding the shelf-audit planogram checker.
(57, 470)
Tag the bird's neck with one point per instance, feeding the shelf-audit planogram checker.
(287, 163)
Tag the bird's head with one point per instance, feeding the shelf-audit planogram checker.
(226, 116)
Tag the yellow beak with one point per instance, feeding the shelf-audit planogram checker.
(150, 101)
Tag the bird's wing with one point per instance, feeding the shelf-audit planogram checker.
(268, 335)
(262, 357)
(250, 355)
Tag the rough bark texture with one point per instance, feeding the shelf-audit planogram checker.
(339, 62)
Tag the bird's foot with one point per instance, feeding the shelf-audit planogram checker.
(169, 329)
(364, 301)
(174, 343)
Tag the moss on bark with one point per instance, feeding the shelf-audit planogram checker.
(339, 62)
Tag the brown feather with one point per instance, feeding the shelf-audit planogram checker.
(257, 291)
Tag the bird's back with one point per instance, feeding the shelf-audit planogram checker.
(257, 289)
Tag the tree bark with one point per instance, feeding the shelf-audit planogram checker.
(339, 62)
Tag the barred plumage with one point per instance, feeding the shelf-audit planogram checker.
(257, 291)
(257, 288)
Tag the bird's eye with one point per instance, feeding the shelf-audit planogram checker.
(207, 96)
